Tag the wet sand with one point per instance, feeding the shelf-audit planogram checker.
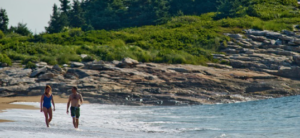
(5, 103)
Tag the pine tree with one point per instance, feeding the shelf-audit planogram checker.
(21, 29)
(230, 8)
(65, 6)
(76, 15)
(3, 20)
(54, 21)
(62, 21)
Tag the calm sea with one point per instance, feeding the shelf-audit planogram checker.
(272, 118)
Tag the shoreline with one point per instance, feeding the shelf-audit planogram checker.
(5, 103)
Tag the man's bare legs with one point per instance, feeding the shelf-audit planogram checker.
(77, 122)
(46, 116)
(74, 122)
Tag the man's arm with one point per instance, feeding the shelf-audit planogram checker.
(81, 99)
(68, 105)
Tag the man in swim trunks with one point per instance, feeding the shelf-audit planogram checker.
(74, 98)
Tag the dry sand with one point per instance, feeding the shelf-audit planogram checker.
(5, 102)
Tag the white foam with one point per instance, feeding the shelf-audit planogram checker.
(95, 119)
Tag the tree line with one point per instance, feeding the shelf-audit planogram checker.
(116, 14)
(21, 28)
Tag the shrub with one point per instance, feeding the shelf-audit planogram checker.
(1, 34)
(66, 58)
(50, 60)
(27, 59)
(117, 43)
(5, 59)
(75, 32)
(30, 65)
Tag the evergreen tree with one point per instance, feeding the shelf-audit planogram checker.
(54, 21)
(21, 29)
(147, 12)
(58, 21)
(231, 8)
(76, 15)
(62, 21)
(65, 6)
(103, 14)
(3, 20)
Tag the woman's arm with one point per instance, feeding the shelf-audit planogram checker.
(53, 102)
(42, 99)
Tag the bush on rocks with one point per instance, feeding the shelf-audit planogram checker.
(30, 65)
(5, 59)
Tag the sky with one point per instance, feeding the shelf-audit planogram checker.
(35, 13)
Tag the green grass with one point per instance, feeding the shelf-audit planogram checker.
(182, 40)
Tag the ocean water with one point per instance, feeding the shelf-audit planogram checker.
(272, 118)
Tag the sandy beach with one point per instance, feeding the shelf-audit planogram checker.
(5, 102)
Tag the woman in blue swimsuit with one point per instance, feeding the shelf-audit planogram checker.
(46, 100)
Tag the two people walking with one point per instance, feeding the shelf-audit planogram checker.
(75, 99)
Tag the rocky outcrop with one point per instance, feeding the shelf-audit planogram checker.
(271, 52)
(159, 84)
(255, 65)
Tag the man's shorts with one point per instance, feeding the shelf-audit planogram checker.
(75, 111)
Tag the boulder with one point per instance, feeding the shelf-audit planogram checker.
(258, 38)
(287, 38)
(38, 71)
(99, 66)
(83, 56)
(57, 68)
(41, 64)
(46, 76)
(255, 32)
(78, 73)
(289, 72)
(273, 42)
(3, 64)
(18, 81)
(273, 35)
(40, 86)
(296, 59)
(278, 42)
(231, 51)
(116, 62)
(87, 85)
(238, 64)
(77, 64)
(128, 63)
(297, 41)
(289, 33)
(17, 88)
(18, 72)
(181, 70)
(219, 66)
(218, 56)
(258, 88)
(236, 36)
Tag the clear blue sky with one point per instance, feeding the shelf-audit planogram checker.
(35, 13)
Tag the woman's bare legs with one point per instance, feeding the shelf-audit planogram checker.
(50, 114)
(46, 116)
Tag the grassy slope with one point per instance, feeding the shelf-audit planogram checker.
(184, 39)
